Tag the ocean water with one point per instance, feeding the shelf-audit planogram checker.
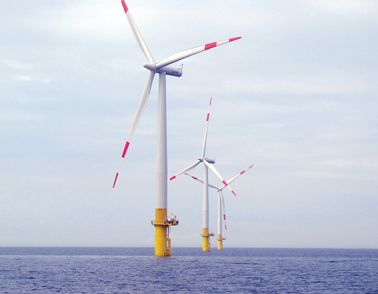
(135, 270)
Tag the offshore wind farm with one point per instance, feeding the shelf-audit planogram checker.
(208, 163)
(163, 68)
(221, 210)
(98, 112)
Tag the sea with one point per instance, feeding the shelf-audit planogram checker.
(188, 270)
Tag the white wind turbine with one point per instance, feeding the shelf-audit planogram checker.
(161, 223)
(221, 207)
(208, 164)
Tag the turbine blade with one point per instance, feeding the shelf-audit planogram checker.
(137, 34)
(188, 168)
(194, 178)
(199, 180)
(186, 53)
(138, 114)
(206, 129)
(218, 175)
(238, 175)
(223, 210)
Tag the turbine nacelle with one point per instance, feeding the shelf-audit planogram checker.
(169, 70)
(209, 160)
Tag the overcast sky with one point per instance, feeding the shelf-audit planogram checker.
(297, 96)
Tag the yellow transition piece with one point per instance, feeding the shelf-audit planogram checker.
(220, 241)
(205, 240)
(162, 242)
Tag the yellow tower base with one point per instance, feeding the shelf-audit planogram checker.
(220, 242)
(205, 240)
(162, 242)
(162, 224)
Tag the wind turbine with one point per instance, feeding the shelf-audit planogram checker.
(161, 223)
(208, 164)
(221, 206)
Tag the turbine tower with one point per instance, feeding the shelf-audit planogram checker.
(221, 206)
(208, 164)
(162, 68)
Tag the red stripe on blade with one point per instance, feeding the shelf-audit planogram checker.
(224, 216)
(250, 166)
(234, 39)
(225, 183)
(208, 117)
(210, 45)
(233, 192)
(127, 144)
(195, 178)
(242, 172)
(124, 6)
(211, 100)
(172, 178)
(115, 180)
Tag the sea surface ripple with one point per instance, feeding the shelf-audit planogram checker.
(234, 270)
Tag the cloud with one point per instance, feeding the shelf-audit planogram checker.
(348, 8)
(306, 84)
(296, 96)
(17, 65)
(23, 78)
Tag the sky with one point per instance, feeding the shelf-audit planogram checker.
(296, 96)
